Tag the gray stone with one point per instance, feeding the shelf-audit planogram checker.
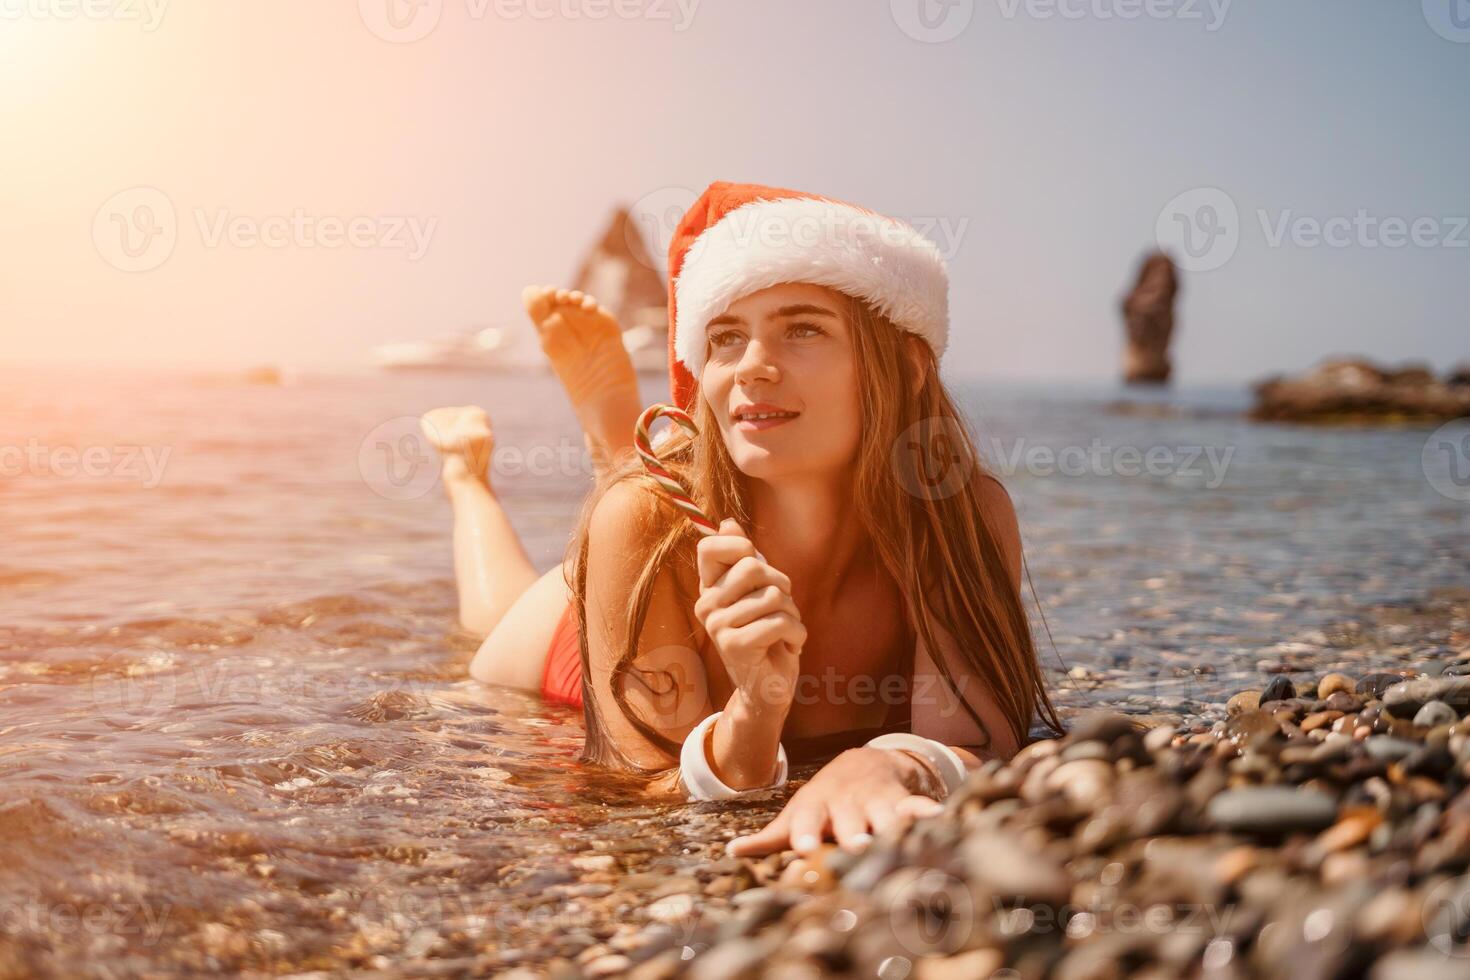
(1271, 809)
(1436, 713)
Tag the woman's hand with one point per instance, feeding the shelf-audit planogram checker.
(746, 609)
(860, 793)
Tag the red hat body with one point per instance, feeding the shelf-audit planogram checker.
(785, 235)
(718, 199)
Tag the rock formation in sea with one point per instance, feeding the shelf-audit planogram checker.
(1148, 318)
(624, 279)
(619, 272)
(1353, 389)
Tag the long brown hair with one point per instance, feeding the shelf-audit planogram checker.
(933, 542)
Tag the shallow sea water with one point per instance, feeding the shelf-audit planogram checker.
(235, 732)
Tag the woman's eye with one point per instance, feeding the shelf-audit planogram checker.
(716, 338)
(815, 330)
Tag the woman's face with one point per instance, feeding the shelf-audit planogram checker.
(785, 349)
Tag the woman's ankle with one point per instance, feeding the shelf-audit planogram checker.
(458, 475)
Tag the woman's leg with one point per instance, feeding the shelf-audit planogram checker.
(500, 594)
(584, 343)
(491, 568)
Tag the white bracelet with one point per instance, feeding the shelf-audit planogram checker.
(951, 767)
(699, 781)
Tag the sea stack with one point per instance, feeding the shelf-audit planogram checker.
(620, 274)
(1148, 318)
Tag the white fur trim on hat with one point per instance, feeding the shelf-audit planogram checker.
(762, 243)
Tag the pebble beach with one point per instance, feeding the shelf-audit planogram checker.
(273, 764)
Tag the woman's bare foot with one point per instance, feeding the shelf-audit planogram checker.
(463, 436)
(584, 343)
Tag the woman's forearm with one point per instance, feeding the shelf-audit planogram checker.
(742, 745)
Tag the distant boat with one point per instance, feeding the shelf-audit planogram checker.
(648, 346)
(616, 270)
(482, 349)
(500, 349)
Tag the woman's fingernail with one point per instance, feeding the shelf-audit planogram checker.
(862, 840)
(806, 842)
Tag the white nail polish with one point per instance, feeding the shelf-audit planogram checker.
(806, 842)
(862, 840)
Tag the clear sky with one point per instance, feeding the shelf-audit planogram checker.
(222, 151)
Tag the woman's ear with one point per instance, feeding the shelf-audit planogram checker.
(916, 350)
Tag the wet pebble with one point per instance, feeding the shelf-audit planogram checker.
(1271, 809)
(1279, 689)
(1435, 713)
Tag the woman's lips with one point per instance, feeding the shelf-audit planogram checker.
(756, 425)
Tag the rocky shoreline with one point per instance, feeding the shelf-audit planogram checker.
(1356, 390)
(1309, 828)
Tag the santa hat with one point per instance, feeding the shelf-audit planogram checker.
(740, 238)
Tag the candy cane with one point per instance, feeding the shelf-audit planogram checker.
(655, 468)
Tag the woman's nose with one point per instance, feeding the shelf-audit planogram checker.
(756, 364)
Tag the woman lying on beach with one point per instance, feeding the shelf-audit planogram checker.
(866, 576)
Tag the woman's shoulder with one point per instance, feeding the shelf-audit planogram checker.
(627, 507)
(629, 516)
